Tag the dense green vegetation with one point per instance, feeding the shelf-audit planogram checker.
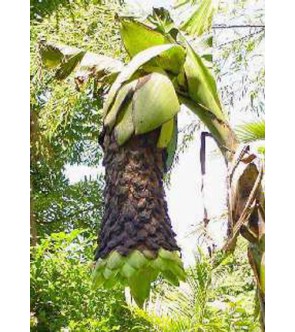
(62, 298)
(64, 124)
(219, 294)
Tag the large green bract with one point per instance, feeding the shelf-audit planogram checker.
(166, 53)
(138, 270)
(163, 103)
(130, 112)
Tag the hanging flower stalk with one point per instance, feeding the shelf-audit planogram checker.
(136, 241)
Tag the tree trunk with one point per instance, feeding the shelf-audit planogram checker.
(135, 214)
(33, 228)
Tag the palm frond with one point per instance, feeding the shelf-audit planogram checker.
(251, 131)
(201, 19)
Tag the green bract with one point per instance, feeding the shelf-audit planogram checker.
(169, 53)
(126, 91)
(166, 133)
(125, 126)
(131, 114)
(138, 270)
(163, 103)
(138, 37)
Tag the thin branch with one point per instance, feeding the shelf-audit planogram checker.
(242, 38)
(220, 26)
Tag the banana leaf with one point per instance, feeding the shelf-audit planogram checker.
(137, 36)
(202, 87)
(69, 59)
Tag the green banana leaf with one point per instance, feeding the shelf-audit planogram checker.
(137, 36)
(202, 87)
(68, 66)
(140, 285)
(126, 92)
(51, 55)
(66, 59)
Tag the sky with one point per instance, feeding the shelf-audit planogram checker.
(184, 198)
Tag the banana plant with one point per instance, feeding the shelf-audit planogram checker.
(136, 243)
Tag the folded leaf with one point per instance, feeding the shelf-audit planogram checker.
(137, 271)
(98, 280)
(171, 278)
(53, 55)
(138, 37)
(137, 259)
(114, 261)
(68, 66)
(140, 285)
(107, 273)
(127, 271)
(166, 254)
(110, 283)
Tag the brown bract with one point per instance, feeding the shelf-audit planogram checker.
(136, 214)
